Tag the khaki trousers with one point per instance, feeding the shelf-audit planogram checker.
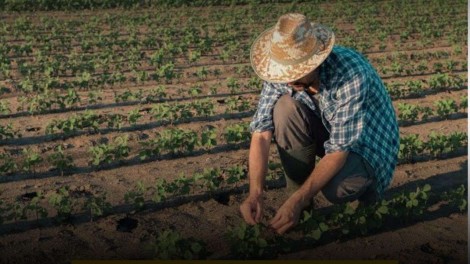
(300, 136)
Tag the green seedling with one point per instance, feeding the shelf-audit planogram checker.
(171, 245)
(410, 147)
(33, 206)
(463, 102)
(237, 133)
(408, 112)
(313, 225)
(156, 93)
(134, 116)
(136, 196)
(246, 241)
(105, 153)
(4, 107)
(94, 97)
(161, 188)
(61, 161)
(236, 174)
(209, 137)
(115, 121)
(233, 85)
(97, 206)
(7, 164)
(32, 159)
(446, 107)
(457, 198)
(63, 203)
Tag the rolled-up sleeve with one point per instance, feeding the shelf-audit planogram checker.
(263, 118)
(348, 118)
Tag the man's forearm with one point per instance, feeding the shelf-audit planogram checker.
(258, 160)
(325, 170)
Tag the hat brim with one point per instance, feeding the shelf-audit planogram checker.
(270, 70)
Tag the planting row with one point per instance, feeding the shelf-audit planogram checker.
(66, 201)
(412, 147)
(409, 113)
(438, 82)
(51, 101)
(249, 242)
(167, 113)
(173, 141)
(177, 142)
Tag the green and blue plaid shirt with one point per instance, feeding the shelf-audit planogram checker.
(355, 108)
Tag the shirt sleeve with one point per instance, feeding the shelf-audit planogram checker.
(263, 118)
(347, 121)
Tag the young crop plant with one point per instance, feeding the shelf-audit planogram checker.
(31, 160)
(177, 140)
(415, 87)
(156, 94)
(61, 161)
(237, 104)
(463, 102)
(67, 101)
(408, 205)
(7, 164)
(203, 107)
(136, 196)
(457, 198)
(446, 107)
(128, 96)
(4, 107)
(439, 81)
(163, 112)
(133, 116)
(105, 153)
(7, 132)
(181, 185)
(410, 147)
(211, 179)
(115, 121)
(63, 203)
(438, 144)
(408, 112)
(97, 206)
(313, 225)
(89, 119)
(233, 85)
(33, 206)
(209, 137)
(255, 83)
(394, 89)
(246, 242)
(161, 191)
(171, 245)
(236, 174)
(237, 133)
(94, 97)
(342, 216)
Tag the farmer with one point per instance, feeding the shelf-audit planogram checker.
(318, 100)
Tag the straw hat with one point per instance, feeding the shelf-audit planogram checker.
(291, 49)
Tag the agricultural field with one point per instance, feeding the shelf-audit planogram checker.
(124, 133)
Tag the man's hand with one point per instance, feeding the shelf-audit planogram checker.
(252, 209)
(288, 214)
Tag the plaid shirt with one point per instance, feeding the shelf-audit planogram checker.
(355, 109)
